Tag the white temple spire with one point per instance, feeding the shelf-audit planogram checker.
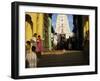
(62, 25)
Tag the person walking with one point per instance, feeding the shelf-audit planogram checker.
(33, 41)
(39, 47)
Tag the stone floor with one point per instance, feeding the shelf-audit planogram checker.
(63, 58)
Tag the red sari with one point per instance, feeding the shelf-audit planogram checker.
(39, 47)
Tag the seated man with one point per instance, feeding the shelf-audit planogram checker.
(31, 57)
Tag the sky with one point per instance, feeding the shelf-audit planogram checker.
(70, 19)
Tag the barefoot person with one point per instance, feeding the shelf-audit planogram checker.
(33, 40)
(31, 58)
(39, 47)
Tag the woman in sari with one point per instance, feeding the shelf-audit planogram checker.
(39, 47)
